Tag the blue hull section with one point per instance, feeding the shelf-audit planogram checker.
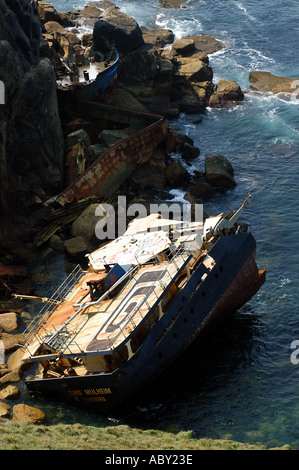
(103, 80)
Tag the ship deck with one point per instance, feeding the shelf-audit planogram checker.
(102, 327)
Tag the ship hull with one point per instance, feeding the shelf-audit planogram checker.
(198, 309)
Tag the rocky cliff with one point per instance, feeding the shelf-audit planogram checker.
(31, 145)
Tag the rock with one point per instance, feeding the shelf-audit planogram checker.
(47, 12)
(185, 96)
(77, 247)
(152, 173)
(77, 136)
(14, 361)
(172, 3)
(181, 139)
(119, 29)
(4, 410)
(83, 228)
(64, 38)
(202, 190)
(87, 40)
(139, 67)
(176, 174)
(157, 37)
(206, 43)
(13, 376)
(20, 32)
(48, 254)
(9, 321)
(196, 46)
(184, 47)
(36, 128)
(4, 370)
(92, 12)
(189, 152)
(94, 152)
(195, 70)
(11, 342)
(22, 412)
(52, 27)
(226, 91)
(57, 244)
(20, 26)
(149, 176)
(267, 82)
(11, 392)
(219, 171)
(110, 137)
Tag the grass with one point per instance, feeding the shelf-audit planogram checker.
(26, 436)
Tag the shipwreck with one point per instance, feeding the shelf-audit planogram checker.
(111, 329)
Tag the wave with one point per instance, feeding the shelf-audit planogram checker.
(244, 9)
(180, 26)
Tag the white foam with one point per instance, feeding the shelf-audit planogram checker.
(244, 9)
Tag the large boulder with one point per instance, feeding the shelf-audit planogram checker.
(11, 392)
(184, 46)
(197, 46)
(226, 92)
(47, 12)
(65, 39)
(152, 173)
(195, 70)
(77, 247)
(92, 11)
(157, 37)
(12, 376)
(20, 26)
(172, 3)
(117, 28)
(36, 139)
(206, 43)
(202, 190)
(22, 412)
(84, 228)
(176, 174)
(219, 171)
(267, 82)
(4, 410)
(31, 153)
(9, 321)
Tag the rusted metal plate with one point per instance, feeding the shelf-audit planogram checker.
(115, 165)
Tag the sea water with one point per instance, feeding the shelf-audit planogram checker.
(240, 383)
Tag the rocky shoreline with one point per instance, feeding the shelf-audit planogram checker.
(157, 74)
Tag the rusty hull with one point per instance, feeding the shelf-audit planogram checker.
(115, 165)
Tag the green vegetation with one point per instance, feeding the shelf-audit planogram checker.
(26, 436)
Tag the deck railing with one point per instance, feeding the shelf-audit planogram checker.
(58, 296)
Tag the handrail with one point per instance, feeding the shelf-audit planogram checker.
(85, 305)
